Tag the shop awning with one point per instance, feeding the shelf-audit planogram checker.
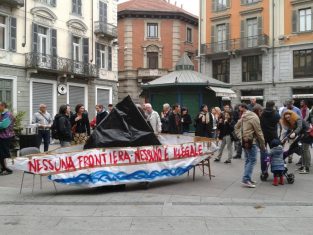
(302, 96)
(223, 92)
(250, 97)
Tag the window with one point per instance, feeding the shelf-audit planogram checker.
(305, 16)
(42, 40)
(6, 95)
(252, 68)
(303, 63)
(221, 37)
(102, 58)
(220, 5)
(77, 7)
(49, 2)
(103, 12)
(76, 49)
(252, 32)
(3, 29)
(152, 30)
(153, 60)
(243, 2)
(221, 70)
(189, 35)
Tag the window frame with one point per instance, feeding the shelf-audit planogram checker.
(306, 21)
(79, 46)
(155, 57)
(308, 68)
(250, 69)
(148, 30)
(225, 73)
(189, 34)
(76, 7)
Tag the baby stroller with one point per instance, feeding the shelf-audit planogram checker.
(295, 147)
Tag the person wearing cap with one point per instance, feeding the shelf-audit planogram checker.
(249, 130)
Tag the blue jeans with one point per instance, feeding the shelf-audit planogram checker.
(250, 161)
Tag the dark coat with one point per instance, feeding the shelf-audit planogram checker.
(277, 159)
(174, 123)
(186, 123)
(203, 129)
(64, 128)
(225, 128)
(165, 123)
(100, 117)
(82, 126)
(269, 121)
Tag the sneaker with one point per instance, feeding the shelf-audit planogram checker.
(227, 161)
(253, 181)
(217, 160)
(248, 184)
(303, 171)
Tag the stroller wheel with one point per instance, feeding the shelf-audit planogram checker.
(264, 176)
(290, 178)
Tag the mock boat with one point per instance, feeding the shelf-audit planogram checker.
(122, 149)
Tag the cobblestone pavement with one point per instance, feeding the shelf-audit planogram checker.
(176, 206)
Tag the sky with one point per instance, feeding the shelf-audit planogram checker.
(189, 5)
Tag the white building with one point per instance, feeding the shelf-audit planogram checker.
(58, 52)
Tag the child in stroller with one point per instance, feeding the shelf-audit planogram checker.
(276, 159)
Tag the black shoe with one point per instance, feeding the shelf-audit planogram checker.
(217, 160)
(301, 168)
(289, 160)
(227, 161)
(236, 157)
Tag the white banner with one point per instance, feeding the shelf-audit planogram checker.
(110, 166)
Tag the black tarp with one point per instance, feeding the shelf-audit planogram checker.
(123, 127)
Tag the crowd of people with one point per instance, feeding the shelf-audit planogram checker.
(246, 127)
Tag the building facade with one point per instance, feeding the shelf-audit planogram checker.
(58, 52)
(262, 48)
(153, 35)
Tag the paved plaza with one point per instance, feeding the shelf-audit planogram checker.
(176, 206)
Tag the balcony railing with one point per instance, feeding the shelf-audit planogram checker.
(235, 44)
(106, 30)
(13, 3)
(61, 65)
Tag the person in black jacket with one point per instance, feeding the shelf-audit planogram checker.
(185, 120)
(80, 125)
(174, 120)
(226, 127)
(203, 122)
(101, 113)
(64, 126)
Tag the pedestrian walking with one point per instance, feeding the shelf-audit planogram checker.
(154, 118)
(185, 120)
(43, 120)
(6, 137)
(174, 120)
(80, 125)
(203, 121)
(226, 128)
(63, 125)
(250, 132)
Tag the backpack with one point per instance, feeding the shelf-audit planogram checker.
(55, 128)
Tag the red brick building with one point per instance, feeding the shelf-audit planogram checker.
(153, 35)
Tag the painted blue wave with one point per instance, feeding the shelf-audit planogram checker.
(106, 176)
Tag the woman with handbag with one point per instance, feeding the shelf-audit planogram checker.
(225, 127)
(80, 125)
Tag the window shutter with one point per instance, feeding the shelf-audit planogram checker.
(98, 59)
(76, 95)
(72, 46)
(86, 50)
(227, 36)
(53, 41)
(212, 37)
(294, 21)
(103, 97)
(110, 58)
(260, 31)
(35, 37)
(79, 7)
(12, 34)
(53, 3)
(103, 12)
(74, 6)
(42, 94)
(242, 33)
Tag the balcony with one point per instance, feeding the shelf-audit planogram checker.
(152, 73)
(235, 45)
(103, 29)
(13, 3)
(61, 65)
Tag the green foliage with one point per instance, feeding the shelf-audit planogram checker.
(18, 122)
